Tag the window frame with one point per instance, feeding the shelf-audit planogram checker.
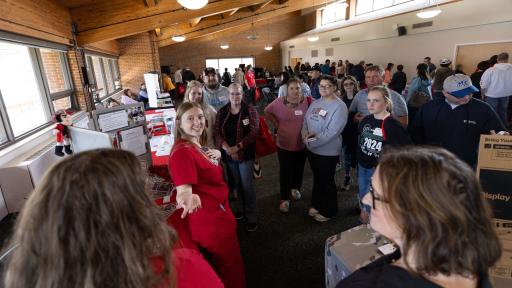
(323, 9)
(373, 4)
(34, 47)
(113, 63)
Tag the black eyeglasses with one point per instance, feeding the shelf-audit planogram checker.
(376, 197)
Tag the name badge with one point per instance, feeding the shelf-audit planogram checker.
(245, 122)
(377, 132)
(322, 112)
(223, 98)
(298, 112)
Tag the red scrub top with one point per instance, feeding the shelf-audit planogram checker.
(190, 270)
(189, 165)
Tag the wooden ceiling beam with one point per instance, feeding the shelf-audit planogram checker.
(282, 1)
(255, 8)
(212, 25)
(193, 22)
(228, 14)
(120, 18)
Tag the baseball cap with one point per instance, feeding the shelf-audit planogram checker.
(210, 70)
(445, 61)
(459, 85)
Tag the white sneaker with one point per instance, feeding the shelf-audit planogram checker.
(312, 212)
(284, 206)
(320, 218)
(295, 194)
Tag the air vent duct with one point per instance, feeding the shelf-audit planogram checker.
(422, 24)
(335, 39)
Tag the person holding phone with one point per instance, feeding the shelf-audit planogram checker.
(321, 132)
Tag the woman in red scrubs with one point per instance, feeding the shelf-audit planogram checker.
(203, 195)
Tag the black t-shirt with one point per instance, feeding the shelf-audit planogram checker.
(230, 128)
(374, 134)
(381, 273)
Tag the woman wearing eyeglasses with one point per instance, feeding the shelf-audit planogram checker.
(236, 129)
(442, 228)
(321, 132)
(287, 115)
(349, 88)
(376, 131)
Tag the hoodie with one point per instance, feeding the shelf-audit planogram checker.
(497, 81)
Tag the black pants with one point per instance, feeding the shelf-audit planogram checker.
(291, 169)
(324, 196)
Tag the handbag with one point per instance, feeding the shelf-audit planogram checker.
(418, 98)
(264, 143)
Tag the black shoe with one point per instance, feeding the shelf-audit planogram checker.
(251, 227)
(58, 151)
(67, 149)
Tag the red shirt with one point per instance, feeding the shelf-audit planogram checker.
(190, 270)
(189, 165)
(250, 78)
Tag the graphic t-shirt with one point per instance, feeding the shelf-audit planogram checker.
(374, 134)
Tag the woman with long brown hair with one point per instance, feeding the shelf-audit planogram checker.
(194, 93)
(428, 202)
(202, 192)
(91, 223)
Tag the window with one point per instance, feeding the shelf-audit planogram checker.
(366, 6)
(34, 82)
(103, 75)
(333, 12)
(57, 77)
(230, 63)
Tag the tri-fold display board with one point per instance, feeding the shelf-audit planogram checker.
(126, 125)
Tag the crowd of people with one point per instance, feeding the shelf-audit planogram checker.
(91, 220)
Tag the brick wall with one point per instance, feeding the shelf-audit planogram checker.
(53, 70)
(138, 54)
(193, 53)
(75, 64)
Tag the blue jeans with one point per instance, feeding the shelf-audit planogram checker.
(500, 106)
(241, 173)
(364, 178)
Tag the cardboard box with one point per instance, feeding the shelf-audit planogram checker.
(495, 173)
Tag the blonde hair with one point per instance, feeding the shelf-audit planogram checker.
(180, 134)
(386, 94)
(195, 84)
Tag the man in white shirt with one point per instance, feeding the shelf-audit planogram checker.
(496, 85)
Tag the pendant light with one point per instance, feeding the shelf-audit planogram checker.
(429, 12)
(178, 38)
(268, 47)
(193, 4)
(224, 45)
(313, 38)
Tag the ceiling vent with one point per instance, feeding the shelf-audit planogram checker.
(291, 46)
(422, 24)
(335, 39)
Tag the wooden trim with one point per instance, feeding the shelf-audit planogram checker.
(28, 31)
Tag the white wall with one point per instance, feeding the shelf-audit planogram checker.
(462, 22)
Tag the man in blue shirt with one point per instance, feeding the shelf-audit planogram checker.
(457, 121)
(326, 68)
(315, 81)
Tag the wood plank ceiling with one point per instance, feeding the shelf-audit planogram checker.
(100, 20)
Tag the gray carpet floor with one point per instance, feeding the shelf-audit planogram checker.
(287, 250)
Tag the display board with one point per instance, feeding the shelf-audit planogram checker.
(469, 55)
(153, 88)
(84, 139)
(126, 125)
(495, 173)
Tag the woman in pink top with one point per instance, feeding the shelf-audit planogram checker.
(287, 115)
